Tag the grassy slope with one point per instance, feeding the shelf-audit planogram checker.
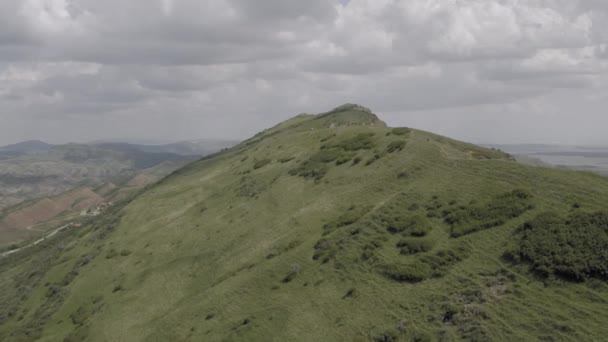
(203, 254)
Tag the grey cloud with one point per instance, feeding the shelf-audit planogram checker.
(211, 63)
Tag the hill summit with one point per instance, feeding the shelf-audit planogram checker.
(329, 227)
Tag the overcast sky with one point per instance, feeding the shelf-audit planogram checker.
(504, 71)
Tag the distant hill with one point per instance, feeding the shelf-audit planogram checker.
(27, 147)
(329, 227)
(35, 169)
(184, 148)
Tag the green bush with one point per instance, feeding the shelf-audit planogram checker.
(294, 271)
(415, 245)
(258, 164)
(413, 272)
(286, 160)
(327, 155)
(495, 213)
(401, 131)
(406, 225)
(362, 141)
(576, 247)
(111, 253)
(349, 217)
(395, 146)
(374, 158)
(311, 170)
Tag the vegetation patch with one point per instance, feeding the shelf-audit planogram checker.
(414, 245)
(250, 188)
(395, 146)
(341, 153)
(286, 160)
(501, 209)
(402, 222)
(260, 163)
(575, 247)
(401, 131)
(361, 141)
(351, 216)
(428, 266)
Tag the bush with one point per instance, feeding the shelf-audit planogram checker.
(349, 217)
(362, 141)
(258, 164)
(407, 226)
(374, 158)
(576, 247)
(286, 160)
(395, 146)
(414, 272)
(292, 274)
(311, 170)
(401, 131)
(495, 213)
(413, 246)
(111, 254)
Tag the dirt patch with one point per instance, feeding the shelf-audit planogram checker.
(49, 208)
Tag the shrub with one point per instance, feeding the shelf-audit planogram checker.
(407, 226)
(400, 131)
(576, 247)
(111, 254)
(374, 158)
(258, 164)
(286, 160)
(442, 260)
(413, 272)
(346, 219)
(413, 246)
(362, 141)
(495, 213)
(292, 274)
(343, 159)
(395, 146)
(403, 174)
(384, 336)
(327, 155)
(249, 188)
(311, 170)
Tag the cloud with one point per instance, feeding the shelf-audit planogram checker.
(232, 67)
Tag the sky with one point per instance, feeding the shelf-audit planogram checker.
(484, 71)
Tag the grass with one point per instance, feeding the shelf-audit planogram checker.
(229, 272)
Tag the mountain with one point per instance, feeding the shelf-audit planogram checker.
(330, 227)
(35, 169)
(27, 147)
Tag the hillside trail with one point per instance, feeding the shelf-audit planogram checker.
(36, 230)
(37, 241)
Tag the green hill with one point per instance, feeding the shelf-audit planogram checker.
(329, 227)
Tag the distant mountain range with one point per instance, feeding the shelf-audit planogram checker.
(35, 169)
